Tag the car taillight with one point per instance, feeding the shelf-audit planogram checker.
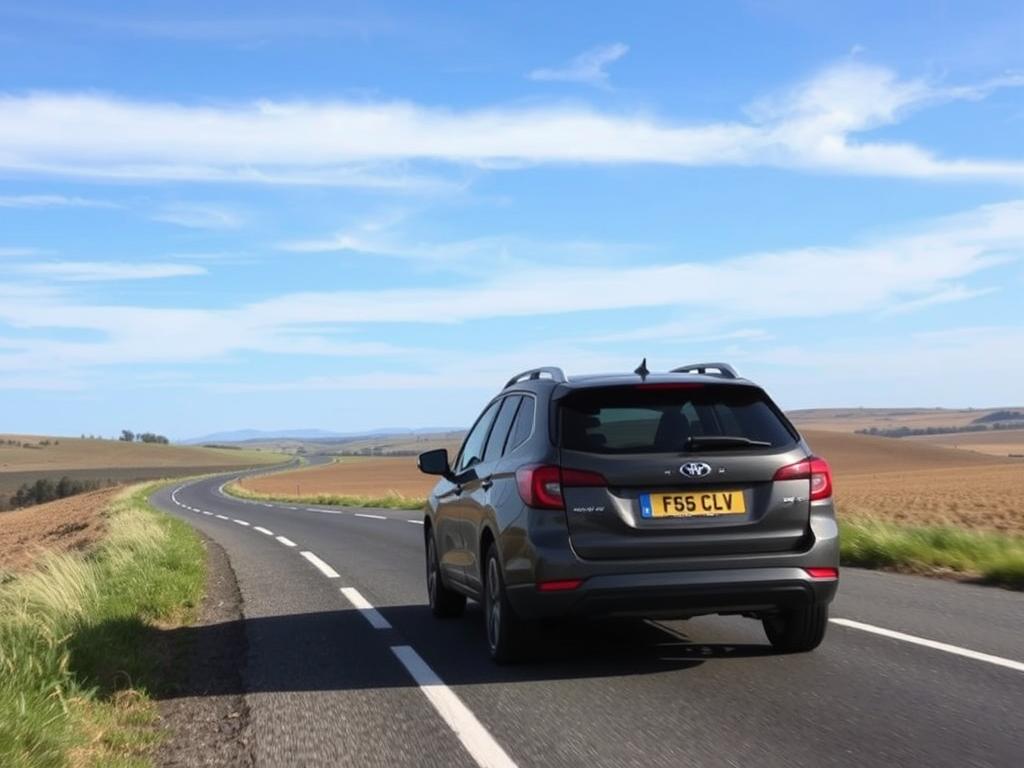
(541, 486)
(814, 469)
(826, 574)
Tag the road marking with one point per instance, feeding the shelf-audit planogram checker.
(328, 511)
(286, 542)
(208, 514)
(320, 565)
(269, 505)
(291, 507)
(372, 517)
(935, 645)
(362, 605)
(474, 737)
(312, 509)
(263, 530)
(241, 522)
(222, 517)
(415, 522)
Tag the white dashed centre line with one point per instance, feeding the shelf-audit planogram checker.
(241, 522)
(474, 737)
(362, 605)
(222, 517)
(208, 514)
(933, 644)
(286, 542)
(415, 522)
(372, 517)
(320, 565)
(263, 530)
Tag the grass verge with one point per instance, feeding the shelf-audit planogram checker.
(388, 501)
(993, 557)
(80, 647)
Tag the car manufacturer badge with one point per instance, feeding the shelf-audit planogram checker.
(695, 469)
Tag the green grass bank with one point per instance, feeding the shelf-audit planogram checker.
(81, 651)
(995, 558)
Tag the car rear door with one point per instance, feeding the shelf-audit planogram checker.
(676, 475)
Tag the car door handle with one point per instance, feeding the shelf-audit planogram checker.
(487, 483)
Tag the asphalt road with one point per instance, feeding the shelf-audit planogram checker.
(330, 684)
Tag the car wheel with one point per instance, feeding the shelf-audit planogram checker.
(508, 636)
(797, 631)
(444, 603)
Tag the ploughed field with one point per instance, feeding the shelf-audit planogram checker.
(896, 480)
(27, 458)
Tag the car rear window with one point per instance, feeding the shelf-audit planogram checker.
(655, 419)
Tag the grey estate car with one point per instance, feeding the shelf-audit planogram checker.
(651, 495)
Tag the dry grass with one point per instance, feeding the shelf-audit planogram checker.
(355, 476)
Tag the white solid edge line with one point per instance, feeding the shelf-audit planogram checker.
(415, 522)
(372, 517)
(474, 737)
(361, 604)
(285, 541)
(263, 530)
(320, 565)
(222, 517)
(241, 522)
(934, 644)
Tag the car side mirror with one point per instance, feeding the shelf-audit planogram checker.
(435, 463)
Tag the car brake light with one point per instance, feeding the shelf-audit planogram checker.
(541, 486)
(823, 573)
(562, 585)
(814, 469)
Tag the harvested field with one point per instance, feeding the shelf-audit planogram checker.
(852, 419)
(350, 476)
(111, 460)
(1001, 443)
(905, 481)
(71, 524)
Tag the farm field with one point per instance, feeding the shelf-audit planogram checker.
(113, 460)
(895, 480)
(852, 419)
(995, 443)
(349, 476)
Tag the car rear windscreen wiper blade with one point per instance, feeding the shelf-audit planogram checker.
(724, 441)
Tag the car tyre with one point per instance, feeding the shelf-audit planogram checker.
(798, 630)
(445, 603)
(509, 637)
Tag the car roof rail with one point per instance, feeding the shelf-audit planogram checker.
(557, 375)
(722, 370)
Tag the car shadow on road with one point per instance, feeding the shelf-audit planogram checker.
(339, 650)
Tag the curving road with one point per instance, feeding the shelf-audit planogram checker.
(345, 665)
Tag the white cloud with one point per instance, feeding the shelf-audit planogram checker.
(813, 126)
(17, 250)
(52, 201)
(101, 271)
(588, 67)
(199, 216)
(728, 296)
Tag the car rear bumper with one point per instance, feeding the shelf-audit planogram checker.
(677, 594)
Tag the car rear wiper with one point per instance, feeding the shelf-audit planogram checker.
(724, 441)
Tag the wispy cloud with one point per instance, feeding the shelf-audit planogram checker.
(102, 271)
(52, 201)
(199, 216)
(588, 67)
(815, 125)
(17, 251)
(730, 296)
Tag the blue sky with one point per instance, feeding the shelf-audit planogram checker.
(371, 214)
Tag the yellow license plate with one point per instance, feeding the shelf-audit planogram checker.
(700, 504)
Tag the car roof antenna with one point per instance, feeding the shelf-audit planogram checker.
(641, 370)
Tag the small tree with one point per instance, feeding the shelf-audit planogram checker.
(127, 436)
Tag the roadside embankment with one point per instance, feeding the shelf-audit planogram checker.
(83, 653)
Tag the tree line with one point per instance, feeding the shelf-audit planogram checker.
(44, 489)
(127, 436)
